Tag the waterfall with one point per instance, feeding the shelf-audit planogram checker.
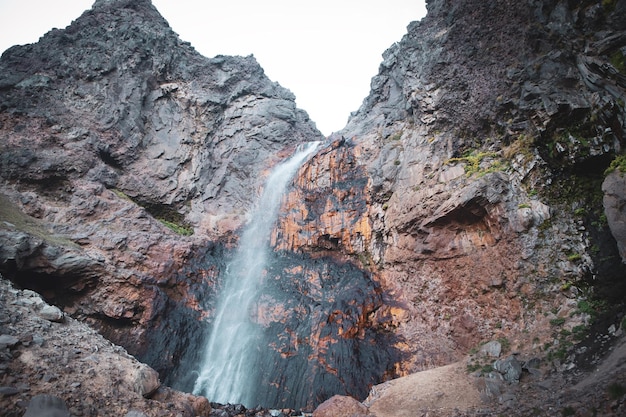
(227, 374)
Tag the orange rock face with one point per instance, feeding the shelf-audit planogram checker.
(328, 207)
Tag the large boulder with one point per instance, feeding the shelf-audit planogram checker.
(340, 406)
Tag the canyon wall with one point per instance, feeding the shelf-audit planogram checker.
(470, 180)
(477, 194)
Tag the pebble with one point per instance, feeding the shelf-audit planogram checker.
(8, 391)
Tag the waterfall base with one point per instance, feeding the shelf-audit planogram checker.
(316, 330)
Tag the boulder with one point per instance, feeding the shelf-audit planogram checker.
(146, 381)
(51, 313)
(510, 368)
(614, 188)
(44, 405)
(491, 349)
(340, 406)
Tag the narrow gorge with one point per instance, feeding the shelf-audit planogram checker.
(475, 199)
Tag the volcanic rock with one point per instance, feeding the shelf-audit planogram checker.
(462, 203)
(136, 141)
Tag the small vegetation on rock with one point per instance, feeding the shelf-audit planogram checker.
(13, 216)
(180, 229)
(121, 194)
(616, 391)
(618, 60)
(167, 216)
(524, 145)
(618, 164)
(473, 161)
(557, 321)
(609, 5)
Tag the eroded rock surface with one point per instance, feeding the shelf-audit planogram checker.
(112, 130)
(69, 369)
(461, 204)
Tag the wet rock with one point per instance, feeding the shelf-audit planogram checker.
(47, 406)
(340, 406)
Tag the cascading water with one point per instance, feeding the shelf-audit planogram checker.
(227, 373)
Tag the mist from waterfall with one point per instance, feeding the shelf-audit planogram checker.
(227, 374)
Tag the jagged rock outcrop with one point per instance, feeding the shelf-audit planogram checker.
(111, 124)
(463, 202)
(85, 373)
(478, 140)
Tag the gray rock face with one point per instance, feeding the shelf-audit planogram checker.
(132, 107)
(491, 349)
(614, 188)
(129, 131)
(485, 147)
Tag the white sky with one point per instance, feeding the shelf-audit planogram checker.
(324, 51)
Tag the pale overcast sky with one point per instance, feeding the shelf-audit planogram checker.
(324, 51)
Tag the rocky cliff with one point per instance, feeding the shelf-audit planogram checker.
(476, 195)
(119, 139)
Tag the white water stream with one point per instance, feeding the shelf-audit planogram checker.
(226, 375)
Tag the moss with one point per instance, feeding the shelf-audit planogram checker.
(579, 332)
(617, 164)
(473, 160)
(609, 5)
(182, 230)
(505, 344)
(165, 214)
(590, 307)
(574, 257)
(557, 321)
(616, 391)
(121, 194)
(12, 214)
